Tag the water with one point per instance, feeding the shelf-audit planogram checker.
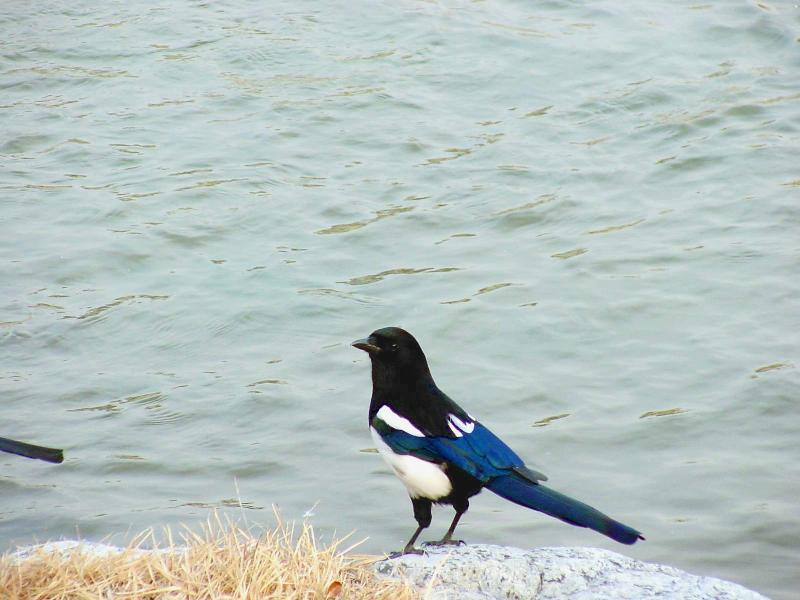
(585, 210)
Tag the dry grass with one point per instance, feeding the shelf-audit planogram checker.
(221, 562)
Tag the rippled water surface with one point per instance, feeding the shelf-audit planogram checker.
(585, 211)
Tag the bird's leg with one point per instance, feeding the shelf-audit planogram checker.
(422, 513)
(461, 507)
(447, 539)
(410, 549)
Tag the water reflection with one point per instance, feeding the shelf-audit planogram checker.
(367, 279)
(663, 413)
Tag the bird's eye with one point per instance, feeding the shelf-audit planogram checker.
(395, 347)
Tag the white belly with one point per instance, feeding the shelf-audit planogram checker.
(423, 479)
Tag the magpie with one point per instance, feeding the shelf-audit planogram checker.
(53, 455)
(444, 455)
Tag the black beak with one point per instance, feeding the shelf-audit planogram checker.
(366, 346)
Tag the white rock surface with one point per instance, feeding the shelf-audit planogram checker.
(65, 547)
(483, 572)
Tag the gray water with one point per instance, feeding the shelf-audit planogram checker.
(583, 210)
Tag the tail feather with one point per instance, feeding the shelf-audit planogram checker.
(53, 455)
(555, 504)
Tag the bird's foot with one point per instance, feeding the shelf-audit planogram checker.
(407, 550)
(446, 543)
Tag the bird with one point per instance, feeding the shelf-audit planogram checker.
(52, 455)
(443, 455)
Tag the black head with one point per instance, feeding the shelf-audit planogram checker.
(394, 353)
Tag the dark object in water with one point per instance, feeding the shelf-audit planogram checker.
(53, 455)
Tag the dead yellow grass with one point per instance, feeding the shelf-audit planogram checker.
(221, 562)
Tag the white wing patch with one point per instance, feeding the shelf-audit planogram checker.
(459, 427)
(395, 421)
(422, 479)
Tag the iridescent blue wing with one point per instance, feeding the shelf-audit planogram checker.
(476, 451)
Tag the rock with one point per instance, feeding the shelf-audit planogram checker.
(484, 572)
(96, 549)
(65, 547)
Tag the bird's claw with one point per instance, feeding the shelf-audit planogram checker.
(407, 550)
(446, 543)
